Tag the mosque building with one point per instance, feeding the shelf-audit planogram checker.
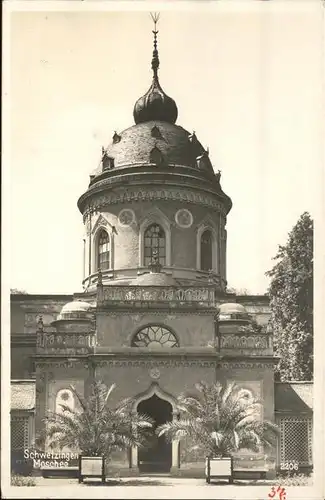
(154, 315)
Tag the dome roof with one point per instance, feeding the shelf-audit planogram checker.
(155, 105)
(155, 279)
(76, 309)
(155, 139)
(232, 307)
(154, 151)
(76, 306)
(232, 310)
(176, 146)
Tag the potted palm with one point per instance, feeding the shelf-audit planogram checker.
(96, 429)
(220, 420)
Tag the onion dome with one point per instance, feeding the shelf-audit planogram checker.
(155, 151)
(232, 311)
(75, 310)
(155, 104)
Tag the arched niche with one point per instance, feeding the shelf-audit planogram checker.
(155, 395)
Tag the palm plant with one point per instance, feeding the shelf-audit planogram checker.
(94, 427)
(220, 420)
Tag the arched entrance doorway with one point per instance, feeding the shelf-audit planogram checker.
(157, 456)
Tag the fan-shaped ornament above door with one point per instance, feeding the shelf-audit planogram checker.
(155, 337)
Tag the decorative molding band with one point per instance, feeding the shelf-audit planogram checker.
(127, 363)
(182, 195)
(150, 364)
(245, 365)
(172, 314)
(54, 363)
(120, 310)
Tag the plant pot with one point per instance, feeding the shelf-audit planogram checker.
(219, 468)
(91, 467)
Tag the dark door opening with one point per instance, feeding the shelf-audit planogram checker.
(157, 455)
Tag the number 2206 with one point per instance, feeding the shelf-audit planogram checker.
(289, 466)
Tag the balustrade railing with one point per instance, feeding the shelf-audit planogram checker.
(182, 296)
(239, 342)
(65, 343)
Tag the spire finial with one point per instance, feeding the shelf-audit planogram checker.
(155, 58)
(155, 104)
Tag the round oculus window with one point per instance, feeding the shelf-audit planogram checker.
(126, 217)
(184, 218)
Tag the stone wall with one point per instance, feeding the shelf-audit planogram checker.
(118, 328)
(25, 311)
(22, 366)
(126, 238)
(136, 378)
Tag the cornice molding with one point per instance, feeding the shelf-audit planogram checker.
(97, 201)
(143, 361)
(142, 175)
(111, 309)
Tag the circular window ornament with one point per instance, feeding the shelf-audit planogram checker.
(155, 337)
(65, 396)
(126, 217)
(184, 218)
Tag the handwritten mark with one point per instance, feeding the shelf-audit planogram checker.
(278, 493)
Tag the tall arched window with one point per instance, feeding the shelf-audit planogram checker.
(103, 254)
(154, 245)
(206, 250)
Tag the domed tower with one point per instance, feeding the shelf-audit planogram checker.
(155, 196)
(154, 318)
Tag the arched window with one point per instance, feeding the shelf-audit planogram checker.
(154, 245)
(155, 337)
(206, 250)
(103, 255)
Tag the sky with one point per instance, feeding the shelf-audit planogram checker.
(249, 81)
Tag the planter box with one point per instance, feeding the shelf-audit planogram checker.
(91, 467)
(219, 468)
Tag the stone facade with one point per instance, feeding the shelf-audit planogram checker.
(76, 353)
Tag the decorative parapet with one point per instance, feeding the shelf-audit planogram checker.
(69, 343)
(239, 343)
(169, 296)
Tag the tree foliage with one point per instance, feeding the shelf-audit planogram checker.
(253, 328)
(220, 420)
(291, 301)
(95, 428)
